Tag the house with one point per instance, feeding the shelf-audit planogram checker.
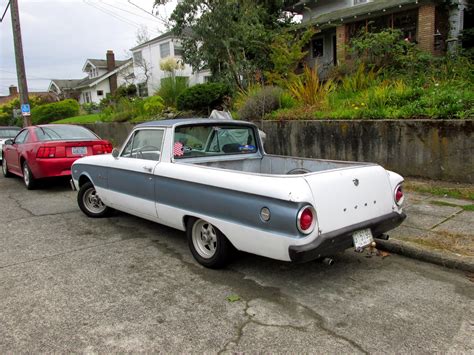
(146, 64)
(435, 25)
(13, 94)
(103, 77)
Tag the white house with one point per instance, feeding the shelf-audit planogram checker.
(146, 64)
(103, 77)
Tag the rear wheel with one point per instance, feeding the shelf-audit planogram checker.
(208, 245)
(5, 171)
(90, 203)
(28, 177)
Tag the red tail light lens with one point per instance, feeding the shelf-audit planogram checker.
(306, 219)
(46, 152)
(399, 196)
(102, 149)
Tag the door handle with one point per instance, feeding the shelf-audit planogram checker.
(147, 168)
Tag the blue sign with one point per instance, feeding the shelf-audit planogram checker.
(25, 109)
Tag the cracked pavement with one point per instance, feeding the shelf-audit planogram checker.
(69, 283)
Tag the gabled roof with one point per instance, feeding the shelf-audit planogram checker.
(102, 63)
(159, 38)
(73, 84)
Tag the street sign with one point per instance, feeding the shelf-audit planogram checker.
(25, 110)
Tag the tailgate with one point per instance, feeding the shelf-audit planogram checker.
(349, 196)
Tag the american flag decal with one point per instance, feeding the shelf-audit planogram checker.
(178, 149)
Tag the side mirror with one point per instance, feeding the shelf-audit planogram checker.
(8, 142)
(115, 153)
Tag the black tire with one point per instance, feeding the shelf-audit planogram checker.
(223, 249)
(28, 178)
(90, 203)
(5, 171)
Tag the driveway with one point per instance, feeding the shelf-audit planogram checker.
(69, 283)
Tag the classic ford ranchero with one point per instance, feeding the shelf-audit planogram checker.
(213, 179)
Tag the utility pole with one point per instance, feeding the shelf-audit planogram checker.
(20, 62)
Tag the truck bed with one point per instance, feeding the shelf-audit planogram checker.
(280, 165)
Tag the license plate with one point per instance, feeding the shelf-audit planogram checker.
(79, 150)
(362, 238)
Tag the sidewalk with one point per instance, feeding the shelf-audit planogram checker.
(438, 229)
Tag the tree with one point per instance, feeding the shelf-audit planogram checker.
(231, 38)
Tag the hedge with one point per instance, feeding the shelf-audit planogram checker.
(54, 111)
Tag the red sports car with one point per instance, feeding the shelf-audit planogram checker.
(49, 150)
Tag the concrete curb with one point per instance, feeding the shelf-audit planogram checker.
(434, 257)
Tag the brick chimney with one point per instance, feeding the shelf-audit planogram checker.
(111, 66)
(110, 60)
(13, 90)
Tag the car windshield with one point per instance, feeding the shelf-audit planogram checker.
(8, 132)
(54, 133)
(211, 140)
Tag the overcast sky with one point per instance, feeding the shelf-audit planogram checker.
(59, 35)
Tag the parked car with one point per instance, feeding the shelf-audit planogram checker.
(212, 179)
(7, 133)
(49, 150)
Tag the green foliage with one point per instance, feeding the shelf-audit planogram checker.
(153, 105)
(171, 88)
(257, 101)
(231, 38)
(90, 108)
(286, 54)
(203, 97)
(93, 118)
(54, 111)
(134, 109)
(360, 79)
(6, 110)
(309, 90)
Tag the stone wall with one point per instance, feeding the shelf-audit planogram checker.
(434, 149)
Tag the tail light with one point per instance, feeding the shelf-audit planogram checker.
(399, 196)
(306, 219)
(102, 149)
(46, 152)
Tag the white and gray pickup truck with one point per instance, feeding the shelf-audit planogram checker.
(213, 179)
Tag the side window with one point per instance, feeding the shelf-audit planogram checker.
(21, 137)
(144, 144)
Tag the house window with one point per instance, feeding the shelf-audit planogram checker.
(178, 51)
(137, 57)
(142, 90)
(100, 92)
(317, 47)
(164, 50)
(357, 2)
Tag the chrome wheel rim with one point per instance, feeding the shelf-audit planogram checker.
(92, 201)
(26, 175)
(204, 239)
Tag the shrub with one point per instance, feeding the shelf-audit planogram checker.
(171, 88)
(309, 90)
(257, 101)
(153, 105)
(203, 97)
(90, 107)
(55, 111)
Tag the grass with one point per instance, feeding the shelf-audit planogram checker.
(449, 204)
(92, 118)
(460, 191)
(455, 243)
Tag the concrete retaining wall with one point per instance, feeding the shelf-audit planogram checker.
(434, 149)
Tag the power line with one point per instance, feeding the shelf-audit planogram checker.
(129, 12)
(4, 12)
(149, 13)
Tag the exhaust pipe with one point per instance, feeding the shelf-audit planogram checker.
(328, 261)
(383, 236)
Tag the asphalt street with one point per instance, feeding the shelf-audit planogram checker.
(69, 283)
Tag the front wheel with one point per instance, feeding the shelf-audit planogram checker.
(5, 171)
(90, 203)
(208, 245)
